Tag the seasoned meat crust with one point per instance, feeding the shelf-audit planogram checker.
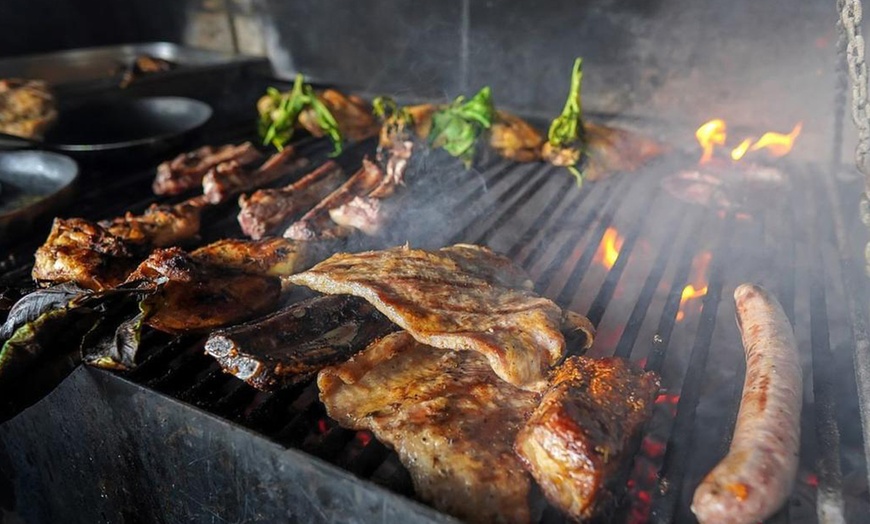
(461, 297)
(450, 418)
(27, 107)
(585, 429)
(186, 171)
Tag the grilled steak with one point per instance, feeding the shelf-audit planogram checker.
(231, 178)
(190, 296)
(450, 418)
(186, 171)
(317, 223)
(585, 430)
(461, 297)
(293, 344)
(264, 212)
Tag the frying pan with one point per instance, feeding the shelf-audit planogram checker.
(122, 130)
(32, 183)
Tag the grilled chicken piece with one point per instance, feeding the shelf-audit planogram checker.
(277, 257)
(231, 178)
(159, 226)
(452, 421)
(395, 129)
(291, 345)
(353, 114)
(85, 253)
(190, 296)
(266, 210)
(454, 298)
(586, 430)
(186, 171)
(27, 108)
(514, 138)
(317, 223)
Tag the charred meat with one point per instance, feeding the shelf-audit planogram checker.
(450, 418)
(191, 296)
(231, 178)
(186, 171)
(159, 226)
(612, 150)
(267, 210)
(586, 428)
(454, 298)
(293, 344)
(353, 114)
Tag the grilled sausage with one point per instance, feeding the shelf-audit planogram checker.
(757, 475)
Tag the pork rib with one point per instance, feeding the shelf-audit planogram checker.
(291, 345)
(186, 171)
(266, 210)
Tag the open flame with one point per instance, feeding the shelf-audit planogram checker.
(608, 250)
(698, 287)
(715, 132)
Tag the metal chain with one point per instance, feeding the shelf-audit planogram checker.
(851, 42)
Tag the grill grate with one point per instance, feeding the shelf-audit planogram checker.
(537, 216)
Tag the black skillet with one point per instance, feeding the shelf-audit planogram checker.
(121, 130)
(32, 184)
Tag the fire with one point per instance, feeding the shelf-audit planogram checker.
(698, 288)
(710, 135)
(715, 132)
(608, 250)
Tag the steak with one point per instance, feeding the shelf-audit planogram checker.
(452, 421)
(459, 298)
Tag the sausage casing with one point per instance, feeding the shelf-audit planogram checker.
(757, 475)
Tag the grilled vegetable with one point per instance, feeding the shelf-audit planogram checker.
(564, 145)
(456, 127)
(279, 115)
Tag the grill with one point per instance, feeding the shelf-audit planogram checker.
(787, 235)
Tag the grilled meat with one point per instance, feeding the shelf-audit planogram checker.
(265, 211)
(27, 108)
(353, 114)
(366, 214)
(293, 344)
(159, 226)
(191, 296)
(231, 178)
(277, 257)
(450, 418)
(611, 150)
(514, 138)
(454, 298)
(144, 65)
(317, 223)
(85, 253)
(186, 171)
(585, 431)
(754, 480)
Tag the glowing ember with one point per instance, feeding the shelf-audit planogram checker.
(364, 437)
(608, 250)
(714, 133)
(322, 426)
(698, 288)
(710, 135)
